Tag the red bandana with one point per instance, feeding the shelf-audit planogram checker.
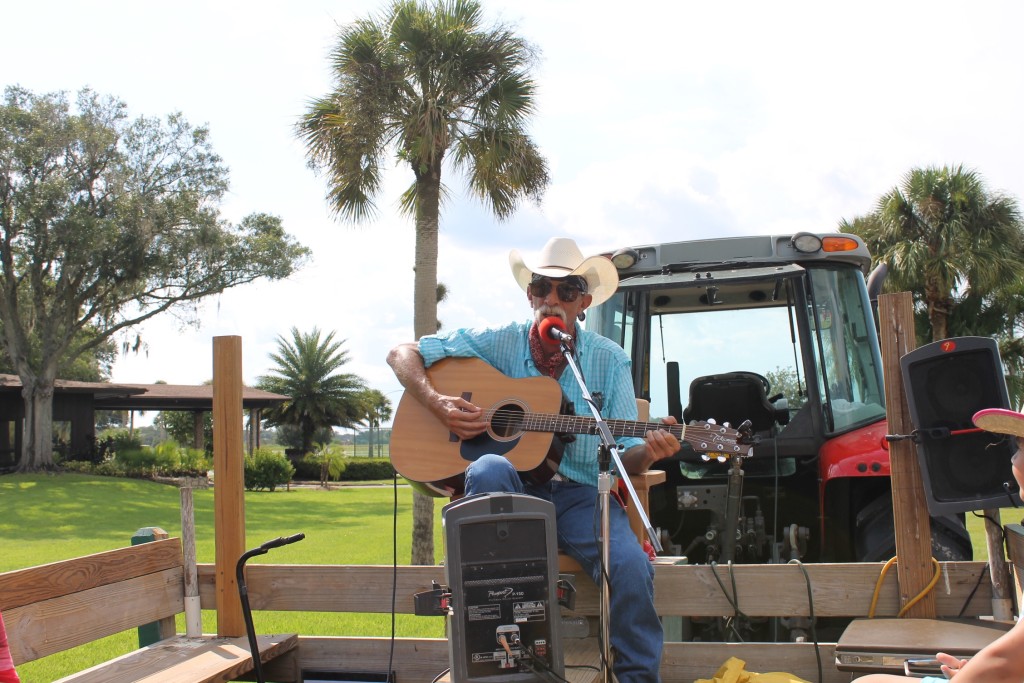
(548, 365)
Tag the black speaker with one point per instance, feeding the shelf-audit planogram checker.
(502, 567)
(946, 383)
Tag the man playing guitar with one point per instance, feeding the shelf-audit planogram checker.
(561, 283)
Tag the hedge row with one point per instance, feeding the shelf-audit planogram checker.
(356, 469)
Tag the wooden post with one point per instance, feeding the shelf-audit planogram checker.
(910, 510)
(155, 630)
(193, 611)
(229, 482)
(998, 569)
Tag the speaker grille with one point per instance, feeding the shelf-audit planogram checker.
(947, 382)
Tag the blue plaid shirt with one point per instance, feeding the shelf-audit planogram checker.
(605, 368)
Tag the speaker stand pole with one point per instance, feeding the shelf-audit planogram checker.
(604, 496)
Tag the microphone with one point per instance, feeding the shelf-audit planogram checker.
(553, 328)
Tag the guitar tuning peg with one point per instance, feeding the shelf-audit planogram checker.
(711, 421)
(705, 457)
(726, 425)
(721, 458)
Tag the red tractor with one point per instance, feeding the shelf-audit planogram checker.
(778, 330)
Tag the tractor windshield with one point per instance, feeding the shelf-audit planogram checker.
(807, 332)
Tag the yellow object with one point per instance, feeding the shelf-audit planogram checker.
(913, 601)
(734, 671)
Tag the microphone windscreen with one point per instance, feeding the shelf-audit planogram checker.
(549, 323)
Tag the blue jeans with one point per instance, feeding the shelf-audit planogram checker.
(635, 628)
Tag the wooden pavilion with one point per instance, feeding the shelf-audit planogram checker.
(76, 403)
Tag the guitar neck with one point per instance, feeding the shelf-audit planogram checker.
(575, 424)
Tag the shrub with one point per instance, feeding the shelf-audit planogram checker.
(305, 469)
(79, 466)
(193, 462)
(122, 439)
(329, 462)
(367, 469)
(137, 462)
(267, 469)
(167, 459)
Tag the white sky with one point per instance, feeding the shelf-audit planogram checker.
(663, 120)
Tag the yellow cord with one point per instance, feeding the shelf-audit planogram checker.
(911, 602)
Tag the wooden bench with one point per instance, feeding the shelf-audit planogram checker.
(55, 607)
(838, 590)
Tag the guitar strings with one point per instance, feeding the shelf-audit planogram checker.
(507, 422)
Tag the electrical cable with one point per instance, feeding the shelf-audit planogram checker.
(394, 572)
(977, 585)
(810, 611)
(737, 612)
(914, 600)
(539, 666)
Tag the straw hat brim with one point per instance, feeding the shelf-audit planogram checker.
(1000, 421)
(561, 261)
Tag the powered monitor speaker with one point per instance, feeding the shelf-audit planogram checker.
(946, 383)
(502, 569)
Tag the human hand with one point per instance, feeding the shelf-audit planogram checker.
(950, 665)
(461, 417)
(659, 443)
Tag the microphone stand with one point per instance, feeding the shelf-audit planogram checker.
(243, 594)
(607, 452)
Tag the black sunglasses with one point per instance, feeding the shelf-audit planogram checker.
(568, 290)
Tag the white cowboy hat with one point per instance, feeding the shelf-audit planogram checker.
(561, 258)
(1000, 421)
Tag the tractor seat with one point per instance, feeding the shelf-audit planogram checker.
(734, 397)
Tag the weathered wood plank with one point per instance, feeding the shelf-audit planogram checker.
(186, 660)
(689, 661)
(418, 659)
(25, 586)
(326, 588)
(897, 337)
(43, 628)
(1015, 552)
(422, 659)
(686, 590)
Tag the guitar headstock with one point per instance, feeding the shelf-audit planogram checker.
(720, 441)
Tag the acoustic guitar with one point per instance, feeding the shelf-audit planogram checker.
(527, 424)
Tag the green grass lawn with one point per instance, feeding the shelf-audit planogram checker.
(47, 518)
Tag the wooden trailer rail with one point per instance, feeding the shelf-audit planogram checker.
(58, 606)
(836, 590)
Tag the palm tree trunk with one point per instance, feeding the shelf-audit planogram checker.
(938, 305)
(428, 188)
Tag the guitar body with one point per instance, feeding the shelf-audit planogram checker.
(434, 460)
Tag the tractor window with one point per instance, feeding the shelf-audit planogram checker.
(845, 348)
(695, 344)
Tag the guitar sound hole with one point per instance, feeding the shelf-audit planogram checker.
(507, 420)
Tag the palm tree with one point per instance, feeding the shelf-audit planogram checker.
(318, 397)
(426, 82)
(945, 237)
(378, 410)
